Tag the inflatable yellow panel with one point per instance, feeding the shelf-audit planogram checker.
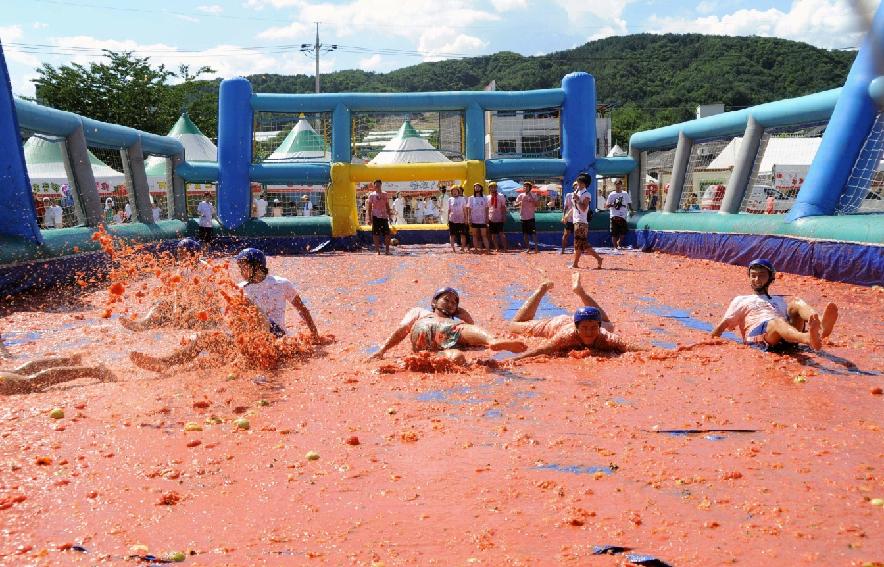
(341, 200)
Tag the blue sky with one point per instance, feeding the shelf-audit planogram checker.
(239, 37)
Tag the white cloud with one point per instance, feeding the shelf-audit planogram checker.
(210, 9)
(706, 6)
(227, 60)
(507, 5)
(39, 25)
(14, 34)
(441, 43)
(371, 63)
(293, 30)
(259, 4)
(824, 23)
(190, 19)
(605, 10)
(617, 27)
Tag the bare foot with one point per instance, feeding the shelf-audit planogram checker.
(813, 331)
(575, 282)
(509, 345)
(147, 362)
(830, 315)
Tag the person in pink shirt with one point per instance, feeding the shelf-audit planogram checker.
(496, 218)
(477, 217)
(527, 204)
(455, 218)
(769, 321)
(378, 213)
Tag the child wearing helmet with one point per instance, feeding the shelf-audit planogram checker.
(769, 321)
(446, 328)
(270, 293)
(178, 309)
(588, 327)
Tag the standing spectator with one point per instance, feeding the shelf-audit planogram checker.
(378, 215)
(419, 211)
(580, 215)
(456, 218)
(43, 212)
(260, 206)
(277, 208)
(567, 218)
(306, 206)
(618, 203)
(399, 209)
(477, 214)
(57, 215)
(527, 204)
(156, 212)
(496, 218)
(206, 211)
(119, 217)
(771, 205)
(443, 205)
(108, 210)
(431, 211)
(128, 211)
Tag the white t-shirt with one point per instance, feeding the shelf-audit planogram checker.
(478, 210)
(271, 296)
(307, 209)
(205, 211)
(156, 214)
(456, 207)
(399, 206)
(748, 311)
(612, 198)
(576, 214)
(443, 203)
(57, 213)
(128, 211)
(260, 207)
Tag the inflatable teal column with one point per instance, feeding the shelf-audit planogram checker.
(18, 214)
(846, 133)
(578, 130)
(234, 151)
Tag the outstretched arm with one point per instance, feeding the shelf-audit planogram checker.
(723, 326)
(305, 314)
(554, 345)
(398, 335)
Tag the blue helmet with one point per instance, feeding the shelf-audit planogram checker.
(253, 257)
(587, 314)
(188, 245)
(443, 290)
(766, 264)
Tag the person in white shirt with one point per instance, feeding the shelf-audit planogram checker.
(48, 217)
(306, 206)
(260, 207)
(399, 209)
(128, 211)
(57, 215)
(156, 212)
(269, 294)
(431, 211)
(477, 215)
(419, 211)
(119, 217)
(618, 203)
(443, 205)
(206, 211)
(769, 321)
(455, 217)
(277, 208)
(580, 215)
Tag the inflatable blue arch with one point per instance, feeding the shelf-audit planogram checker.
(811, 239)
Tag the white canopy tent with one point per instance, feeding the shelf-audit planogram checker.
(302, 144)
(197, 147)
(46, 170)
(408, 146)
(779, 151)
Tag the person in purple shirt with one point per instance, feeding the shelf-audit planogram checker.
(527, 204)
(496, 218)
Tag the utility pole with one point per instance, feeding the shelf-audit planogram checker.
(316, 48)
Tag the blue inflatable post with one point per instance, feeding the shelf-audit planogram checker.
(341, 151)
(234, 152)
(18, 214)
(846, 133)
(578, 130)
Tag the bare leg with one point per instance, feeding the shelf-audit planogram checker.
(377, 242)
(529, 309)
(387, 242)
(536, 244)
(477, 242)
(564, 241)
(779, 329)
(591, 251)
(471, 335)
(588, 301)
(451, 239)
(484, 233)
(34, 366)
(503, 241)
(463, 242)
(212, 342)
(52, 376)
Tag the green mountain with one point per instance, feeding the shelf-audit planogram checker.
(647, 80)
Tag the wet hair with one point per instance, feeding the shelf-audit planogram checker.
(584, 178)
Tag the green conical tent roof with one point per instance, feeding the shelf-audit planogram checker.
(301, 143)
(407, 131)
(42, 151)
(185, 126)
(197, 147)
